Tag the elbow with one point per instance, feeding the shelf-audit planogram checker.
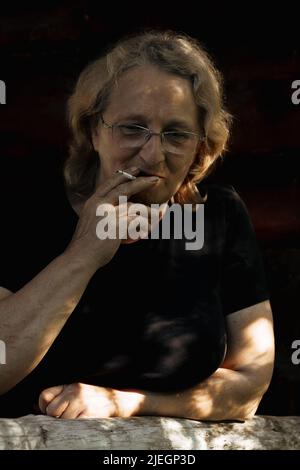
(249, 407)
(245, 405)
(258, 384)
(236, 409)
(259, 396)
(241, 412)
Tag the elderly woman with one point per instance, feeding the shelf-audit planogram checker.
(118, 326)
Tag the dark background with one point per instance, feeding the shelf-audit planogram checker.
(44, 47)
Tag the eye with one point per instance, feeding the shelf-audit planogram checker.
(176, 137)
(131, 130)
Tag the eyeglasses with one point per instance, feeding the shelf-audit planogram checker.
(133, 136)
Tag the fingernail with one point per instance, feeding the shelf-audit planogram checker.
(154, 178)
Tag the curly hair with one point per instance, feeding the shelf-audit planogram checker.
(173, 52)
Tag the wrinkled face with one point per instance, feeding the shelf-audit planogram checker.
(162, 102)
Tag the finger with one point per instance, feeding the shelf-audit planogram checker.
(123, 215)
(74, 409)
(48, 395)
(111, 202)
(139, 228)
(130, 188)
(57, 406)
(131, 211)
(114, 181)
(83, 416)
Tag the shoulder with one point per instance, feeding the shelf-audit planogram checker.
(223, 199)
(218, 191)
(226, 209)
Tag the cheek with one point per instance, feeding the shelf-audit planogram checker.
(179, 169)
(111, 162)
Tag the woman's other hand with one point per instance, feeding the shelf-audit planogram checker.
(79, 401)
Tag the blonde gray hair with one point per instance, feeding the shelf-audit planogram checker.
(172, 52)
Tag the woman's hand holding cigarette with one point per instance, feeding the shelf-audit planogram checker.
(85, 243)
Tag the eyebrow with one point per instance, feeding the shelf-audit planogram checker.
(172, 123)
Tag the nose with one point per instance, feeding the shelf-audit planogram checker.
(152, 151)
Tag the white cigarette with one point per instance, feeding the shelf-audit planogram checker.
(128, 175)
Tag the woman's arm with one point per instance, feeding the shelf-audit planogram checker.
(233, 392)
(31, 318)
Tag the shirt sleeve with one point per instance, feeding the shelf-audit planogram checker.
(243, 280)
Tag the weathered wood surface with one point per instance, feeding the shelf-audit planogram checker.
(150, 433)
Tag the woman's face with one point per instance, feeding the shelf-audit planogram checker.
(152, 98)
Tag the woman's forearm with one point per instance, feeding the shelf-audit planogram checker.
(225, 395)
(32, 318)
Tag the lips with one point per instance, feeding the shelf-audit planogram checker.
(146, 173)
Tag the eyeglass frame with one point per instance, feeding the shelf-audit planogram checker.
(152, 133)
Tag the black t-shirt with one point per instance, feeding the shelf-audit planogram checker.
(154, 318)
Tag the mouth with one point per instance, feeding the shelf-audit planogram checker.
(148, 173)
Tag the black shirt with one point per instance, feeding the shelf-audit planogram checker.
(154, 318)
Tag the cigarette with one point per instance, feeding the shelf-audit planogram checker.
(128, 175)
